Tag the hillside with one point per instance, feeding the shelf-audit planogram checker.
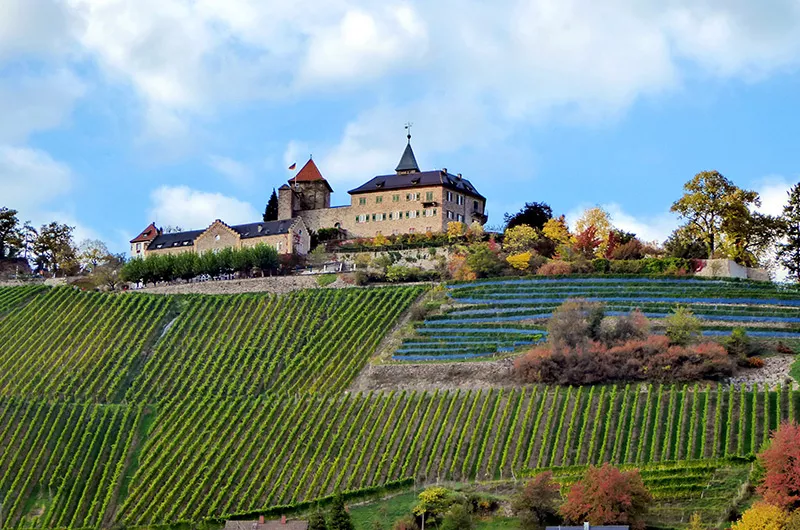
(142, 409)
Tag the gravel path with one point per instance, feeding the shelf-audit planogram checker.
(775, 370)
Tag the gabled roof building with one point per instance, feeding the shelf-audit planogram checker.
(405, 202)
(408, 201)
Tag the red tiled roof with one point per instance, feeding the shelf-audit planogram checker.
(308, 173)
(148, 234)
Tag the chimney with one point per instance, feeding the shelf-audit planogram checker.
(586, 526)
(283, 519)
(260, 519)
(444, 170)
(459, 176)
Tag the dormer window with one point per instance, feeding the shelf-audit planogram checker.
(415, 181)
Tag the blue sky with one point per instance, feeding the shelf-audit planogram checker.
(116, 113)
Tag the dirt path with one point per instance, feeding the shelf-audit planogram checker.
(442, 376)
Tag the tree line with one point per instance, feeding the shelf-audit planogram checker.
(260, 258)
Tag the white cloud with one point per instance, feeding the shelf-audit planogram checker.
(30, 103)
(34, 27)
(773, 192)
(192, 209)
(365, 45)
(30, 178)
(233, 170)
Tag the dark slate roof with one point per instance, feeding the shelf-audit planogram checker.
(408, 162)
(177, 239)
(417, 180)
(269, 228)
(246, 231)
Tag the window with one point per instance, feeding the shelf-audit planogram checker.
(361, 218)
(411, 230)
(413, 214)
(428, 195)
(396, 197)
(379, 199)
(429, 229)
(460, 218)
(362, 201)
(397, 215)
(449, 195)
(412, 196)
(475, 205)
(460, 199)
(138, 247)
(395, 232)
(279, 246)
(430, 212)
(449, 214)
(216, 237)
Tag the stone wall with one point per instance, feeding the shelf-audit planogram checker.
(274, 284)
(424, 258)
(725, 268)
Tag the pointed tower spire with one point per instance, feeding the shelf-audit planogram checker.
(408, 162)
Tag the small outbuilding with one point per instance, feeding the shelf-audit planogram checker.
(262, 524)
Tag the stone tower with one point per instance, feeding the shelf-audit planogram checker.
(308, 190)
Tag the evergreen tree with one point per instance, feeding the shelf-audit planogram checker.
(338, 518)
(317, 521)
(789, 251)
(271, 212)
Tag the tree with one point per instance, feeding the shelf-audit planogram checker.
(91, 253)
(556, 229)
(789, 249)
(170, 229)
(271, 211)
(520, 238)
(762, 516)
(749, 235)
(683, 243)
(338, 518)
(484, 261)
(709, 200)
(587, 242)
(317, 521)
(601, 221)
(607, 495)
(54, 249)
(536, 505)
(781, 463)
(10, 236)
(109, 274)
(433, 503)
(457, 518)
(533, 214)
(456, 230)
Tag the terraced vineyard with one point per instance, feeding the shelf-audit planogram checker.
(501, 316)
(143, 409)
(249, 344)
(67, 457)
(10, 297)
(680, 489)
(76, 346)
(206, 458)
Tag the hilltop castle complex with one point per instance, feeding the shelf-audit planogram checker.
(406, 202)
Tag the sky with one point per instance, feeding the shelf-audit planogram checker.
(116, 113)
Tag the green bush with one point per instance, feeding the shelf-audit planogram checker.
(683, 327)
(601, 265)
(323, 280)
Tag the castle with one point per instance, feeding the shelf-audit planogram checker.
(406, 202)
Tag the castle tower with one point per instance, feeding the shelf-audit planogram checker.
(408, 162)
(310, 190)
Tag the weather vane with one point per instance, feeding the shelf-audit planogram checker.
(408, 130)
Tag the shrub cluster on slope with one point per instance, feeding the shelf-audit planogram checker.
(586, 347)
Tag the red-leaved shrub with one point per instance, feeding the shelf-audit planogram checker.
(651, 359)
(781, 462)
(555, 268)
(607, 496)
